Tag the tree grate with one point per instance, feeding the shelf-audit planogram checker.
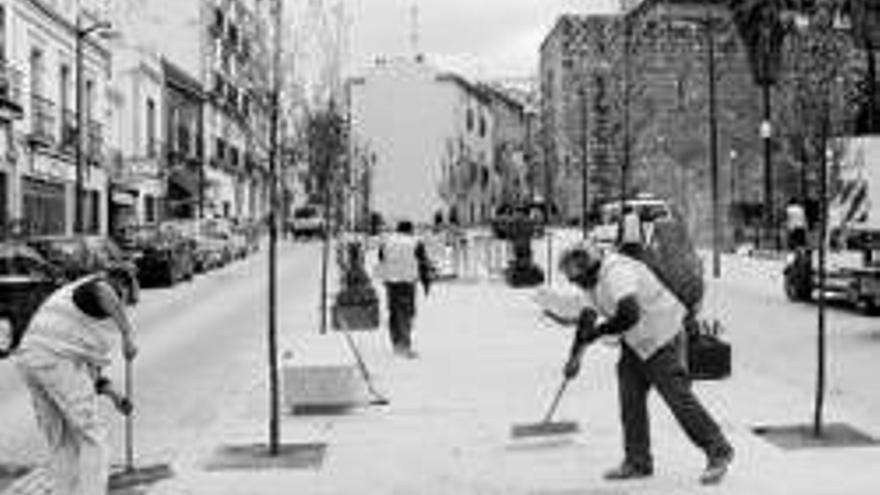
(802, 437)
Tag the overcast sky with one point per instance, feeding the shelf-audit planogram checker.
(480, 38)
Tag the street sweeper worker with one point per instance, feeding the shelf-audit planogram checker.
(634, 305)
(403, 261)
(61, 355)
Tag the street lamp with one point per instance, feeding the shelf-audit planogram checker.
(81, 33)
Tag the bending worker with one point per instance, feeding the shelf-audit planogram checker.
(649, 319)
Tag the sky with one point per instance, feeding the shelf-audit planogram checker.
(478, 38)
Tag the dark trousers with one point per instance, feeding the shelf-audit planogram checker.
(401, 310)
(666, 372)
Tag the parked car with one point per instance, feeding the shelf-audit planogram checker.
(26, 280)
(503, 220)
(308, 222)
(161, 254)
(208, 252)
(80, 255)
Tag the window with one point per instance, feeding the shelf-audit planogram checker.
(89, 100)
(470, 119)
(149, 208)
(36, 66)
(482, 126)
(68, 124)
(151, 127)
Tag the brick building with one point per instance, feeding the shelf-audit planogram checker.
(668, 150)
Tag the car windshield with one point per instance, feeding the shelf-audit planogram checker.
(647, 210)
(305, 212)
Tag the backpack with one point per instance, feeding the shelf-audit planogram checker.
(668, 251)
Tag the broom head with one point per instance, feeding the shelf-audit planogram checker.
(546, 428)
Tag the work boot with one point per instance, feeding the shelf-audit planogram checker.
(628, 471)
(717, 467)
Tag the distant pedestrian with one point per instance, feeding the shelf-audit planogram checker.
(60, 357)
(631, 234)
(796, 225)
(648, 318)
(403, 262)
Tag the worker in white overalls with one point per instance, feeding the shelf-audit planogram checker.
(60, 357)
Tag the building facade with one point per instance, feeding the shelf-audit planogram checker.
(185, 142)
(577, 114)
(138, 179)
(225, 45)
(427, 137)
(38, 158)
(661, 144)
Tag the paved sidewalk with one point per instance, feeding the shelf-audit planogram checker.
(490, 360)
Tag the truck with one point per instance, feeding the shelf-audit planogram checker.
(852, 237)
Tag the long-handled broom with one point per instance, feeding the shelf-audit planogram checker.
(378, 399)
(547, 426)
(132, 475)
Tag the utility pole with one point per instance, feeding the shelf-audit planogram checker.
(585, 184)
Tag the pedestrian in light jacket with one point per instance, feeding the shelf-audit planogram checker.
(403, 262)
(648, 318)
(60, 357)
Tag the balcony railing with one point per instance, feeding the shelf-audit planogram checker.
(43, 123)
(10, 91)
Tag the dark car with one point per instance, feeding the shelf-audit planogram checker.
(529, 216)
(26, 280)
(162, 254)
(81, 255)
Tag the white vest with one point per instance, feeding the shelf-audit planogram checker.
(399, 264)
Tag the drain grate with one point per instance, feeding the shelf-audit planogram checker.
(800, 437)
(257, 457)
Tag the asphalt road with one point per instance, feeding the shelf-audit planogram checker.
(199, 342)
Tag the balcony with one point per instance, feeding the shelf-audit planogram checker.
(43, 121)
(11, 107)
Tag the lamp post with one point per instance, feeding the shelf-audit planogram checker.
(81, 33)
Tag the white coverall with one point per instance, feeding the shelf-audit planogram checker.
(59, 357)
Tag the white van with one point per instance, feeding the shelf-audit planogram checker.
(648, 209)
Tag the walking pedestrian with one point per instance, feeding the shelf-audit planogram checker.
(403, 262)
(60, 357)
(649, 320)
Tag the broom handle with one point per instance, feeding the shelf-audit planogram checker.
(129, 427)
(556, 401)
